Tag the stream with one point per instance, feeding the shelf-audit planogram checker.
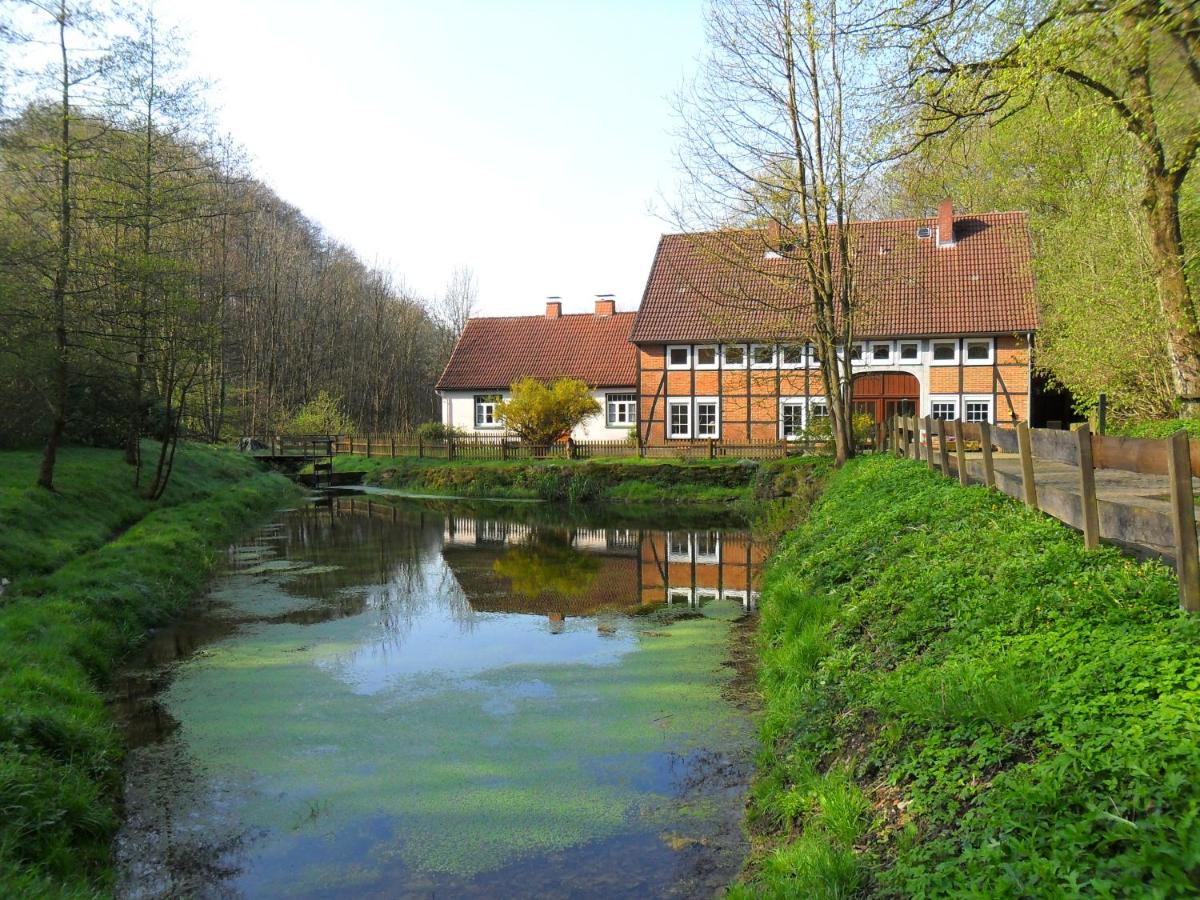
(387, 697)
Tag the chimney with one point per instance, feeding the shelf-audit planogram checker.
(553, 307)
(945, 226)
(773, 233)
(605, 305)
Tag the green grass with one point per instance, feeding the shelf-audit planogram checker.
(1157, 428)
(714, 482)
(77, 605)
(962, 700)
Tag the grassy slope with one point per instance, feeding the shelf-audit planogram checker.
(621, 480)
(63, 630)
(962, 700)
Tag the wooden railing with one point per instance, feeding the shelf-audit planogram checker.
(1170, 464)
(500, 448)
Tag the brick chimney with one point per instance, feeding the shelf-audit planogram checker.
(605, 305)
(553, 307)
(945, 226)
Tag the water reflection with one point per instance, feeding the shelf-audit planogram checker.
(393, 698)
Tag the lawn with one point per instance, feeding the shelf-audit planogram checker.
(962, 700)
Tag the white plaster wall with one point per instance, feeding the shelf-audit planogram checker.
(458, 409)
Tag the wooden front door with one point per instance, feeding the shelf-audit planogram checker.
(882, 395)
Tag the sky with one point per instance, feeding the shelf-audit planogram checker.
(528, 140)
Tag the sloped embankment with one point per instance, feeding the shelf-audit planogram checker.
(961, 699)
(77, 604)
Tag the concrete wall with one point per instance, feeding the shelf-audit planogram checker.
(458, 409)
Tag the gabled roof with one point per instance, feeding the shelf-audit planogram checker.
(492, 353)
(722, 286)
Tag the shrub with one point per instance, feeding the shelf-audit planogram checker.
(436, 432)
(321, 415)
(543, 413)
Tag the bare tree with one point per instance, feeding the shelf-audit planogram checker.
(772, 134)
(458, 302)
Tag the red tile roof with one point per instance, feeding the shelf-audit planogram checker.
(719, 285)
(494, 352)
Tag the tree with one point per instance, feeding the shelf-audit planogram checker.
(321, 415)
(775, 133)
(1137, 59)
(543, 413)
(458, 302)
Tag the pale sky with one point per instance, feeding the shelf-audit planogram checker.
(528, 139)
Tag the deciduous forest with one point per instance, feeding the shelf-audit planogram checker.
(151, 286)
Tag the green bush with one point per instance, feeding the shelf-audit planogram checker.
(1157, 428)
(1021, 715)
(436, 432)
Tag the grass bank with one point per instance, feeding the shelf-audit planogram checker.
(711, 482)
(961, 700)
(93, 567)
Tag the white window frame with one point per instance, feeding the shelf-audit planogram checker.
(951, 399)
(715, 364)
(706, 595)
(695, 424)
(808, 413)
(784, 364)
(687, 349)
(675, 595)
(862, 353)
(872, 361)
(933, 361)
(991, 354)
(900, 360)
(726, 364)
(479, 401)
(980, 398)
(674, 555)
(713, 557)
(810, 357)
(803, 406)
(685, 403)
(767, 365)
(609, 421)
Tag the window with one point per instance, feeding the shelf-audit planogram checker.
(791, 419)
(881, 352)
(735, 356)
(679, 595)
(944, 353)
(707, 420)
(621, 409)
(706, 357)
(910, 351)
(792, 356)
(485, 411)
(679, 357)
(977, 351)
(705, 595)
(679, 546)
(679, 420)
(856, 353)
(814, 361)
(817, 409)
(977, 409)
(944, 409)
(762, 356)
(708, 546)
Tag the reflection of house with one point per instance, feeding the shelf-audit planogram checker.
(580, 572)
(693, 567)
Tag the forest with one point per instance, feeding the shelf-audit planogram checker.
(150, 286)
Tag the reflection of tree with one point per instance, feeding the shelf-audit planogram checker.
(547, 563)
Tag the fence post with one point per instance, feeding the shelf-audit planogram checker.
(450, 447)
(504, 448)
(1102, 414)
(985, 440)
(960, 453)
(368, 445)
(1025, 446)
(943, 450)
(712, 449)
(1087, 488)
(929, 442)
(420, 446)
(1183, 517)
(393, 439)
(915, 437)
(641, 448)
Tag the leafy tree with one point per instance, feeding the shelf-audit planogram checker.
(321, 415)
(543, 413)
(1138, 60)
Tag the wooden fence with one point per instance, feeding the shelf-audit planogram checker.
(486, 448)
(1167, 528)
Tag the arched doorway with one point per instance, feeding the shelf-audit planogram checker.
(882, 395)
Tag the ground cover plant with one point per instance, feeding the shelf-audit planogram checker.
(65, 623)
(616, 480)
(962, 700)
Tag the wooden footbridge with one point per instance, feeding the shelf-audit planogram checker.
(293, 453)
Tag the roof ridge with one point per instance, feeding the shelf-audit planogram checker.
(885, 221)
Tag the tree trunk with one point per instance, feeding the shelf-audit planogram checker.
(1161, 203)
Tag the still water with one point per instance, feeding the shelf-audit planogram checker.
(382, 697)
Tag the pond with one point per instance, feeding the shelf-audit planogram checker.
(382, 697)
